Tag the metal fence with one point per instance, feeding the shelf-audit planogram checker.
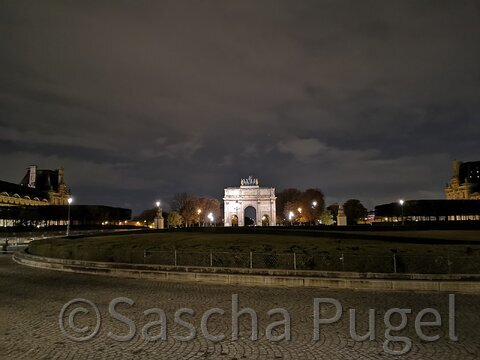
(394, 263)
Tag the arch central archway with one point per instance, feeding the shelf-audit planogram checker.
(250, 216)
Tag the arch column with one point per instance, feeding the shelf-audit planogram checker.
(241, 215)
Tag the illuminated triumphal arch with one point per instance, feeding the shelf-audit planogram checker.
(238, 201)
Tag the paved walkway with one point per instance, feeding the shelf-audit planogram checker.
(31, 301)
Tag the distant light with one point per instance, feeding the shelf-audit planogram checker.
(210, 217)
(157, 203)
(299, 210)
(70, 200)
(401, 201)
(314, 203)
(290, 215)
(199, 211)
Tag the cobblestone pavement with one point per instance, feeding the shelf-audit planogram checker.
(31, 301)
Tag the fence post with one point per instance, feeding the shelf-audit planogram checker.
(175, 257)
(294, 261)
(394, 263)
(211, 259)
(251, 260)
(144, 256)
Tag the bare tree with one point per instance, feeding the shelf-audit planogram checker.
(179, 201)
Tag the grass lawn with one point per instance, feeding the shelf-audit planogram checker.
(117, 247)
(367, 251)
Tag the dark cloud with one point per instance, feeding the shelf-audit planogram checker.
(139, 99)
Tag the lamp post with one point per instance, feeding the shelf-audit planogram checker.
(401, 201)
(314, 206)
(158, 212)
(199, 211)
(70, 200)
(290, 217)
(210, 217)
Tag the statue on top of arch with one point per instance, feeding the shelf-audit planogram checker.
(250, 181)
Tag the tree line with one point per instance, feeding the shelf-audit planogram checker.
(294, 207)
(187, 210)
(302, 207)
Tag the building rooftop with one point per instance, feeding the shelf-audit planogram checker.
(46, 180)
(22, 190)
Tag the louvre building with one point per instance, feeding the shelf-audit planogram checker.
(41, 199)
(38, 187)
(465, 182)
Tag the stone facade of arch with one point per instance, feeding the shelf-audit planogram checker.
(237, 199)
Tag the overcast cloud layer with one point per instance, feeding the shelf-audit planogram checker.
(142, 99)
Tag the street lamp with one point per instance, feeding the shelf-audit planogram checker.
(70, 200)
(314, 206)
(401, 201)
(290, 217)
(158, 214)
(199, 211)
(210, 217)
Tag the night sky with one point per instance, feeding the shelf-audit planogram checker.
(139, 100)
